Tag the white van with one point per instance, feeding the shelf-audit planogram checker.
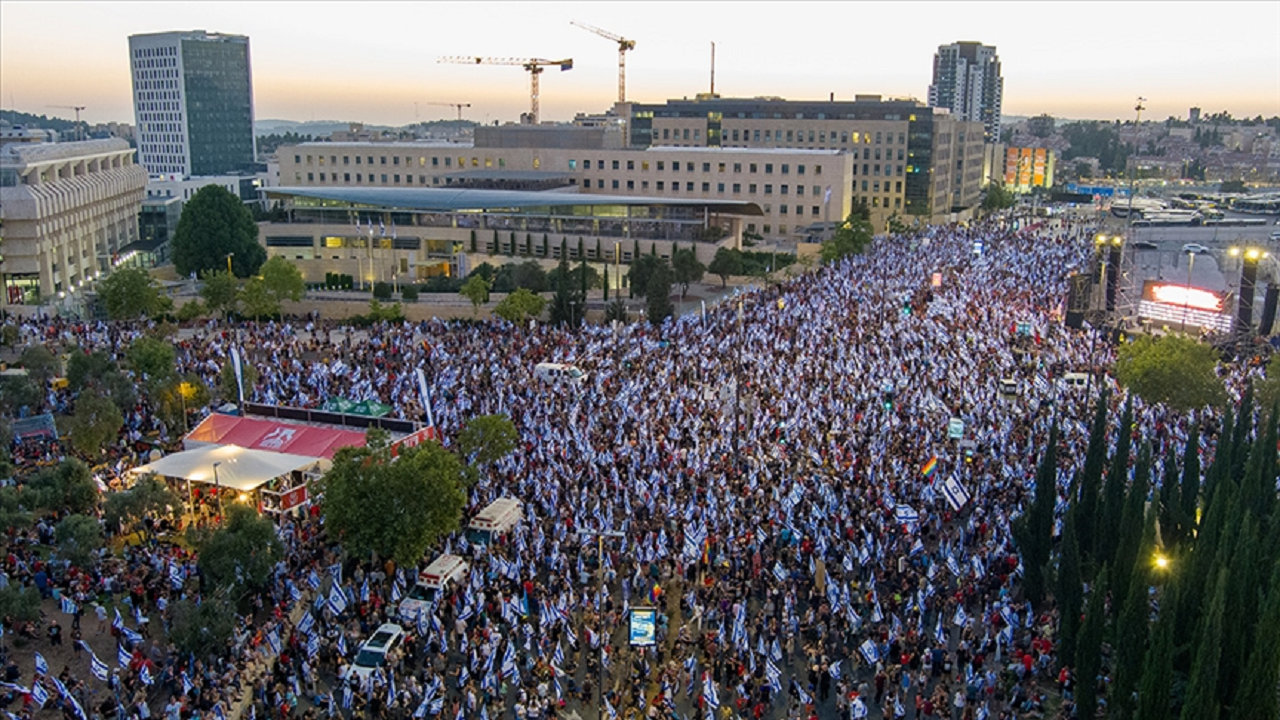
(442, 574)
(559, 373)
(1008, 386)
(494, 521)
(1076, 380)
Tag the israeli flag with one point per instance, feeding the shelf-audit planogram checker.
(273, 639)
(218, 713)
(39, 694)
(939, 633)
(313, 580)
(42, 667)
(176, 576)
(961, 619)
(779, 572)
(906, 515)
(342, 644)
(313, 645)
(335, 571)
(869, 651)
(122, 656)
(145, 676)
(306, 623)
(337, 601)
(97, 667)
(69, 606)
(857, 709)
(346, 698)
(709, 692)
(955, 493)
(835, 669)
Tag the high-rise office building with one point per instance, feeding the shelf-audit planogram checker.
(967, 81)
(193, 102)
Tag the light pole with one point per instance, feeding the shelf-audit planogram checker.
(229, 256)
(600, 535)
(1133, 174)
(217, 486)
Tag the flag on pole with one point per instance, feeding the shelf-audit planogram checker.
(68, 605)
(930, 467)
(869, 651)
(42, 667)
(236, 365)
(97, 667)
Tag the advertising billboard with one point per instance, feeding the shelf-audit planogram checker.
(644, 627)
(1184, 305)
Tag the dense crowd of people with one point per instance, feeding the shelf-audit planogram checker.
(784, 470)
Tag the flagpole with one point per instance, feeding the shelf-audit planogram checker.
(600, 536)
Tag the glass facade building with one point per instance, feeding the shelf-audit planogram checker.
(193, 102)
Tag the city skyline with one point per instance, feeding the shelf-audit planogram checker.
(374, 61)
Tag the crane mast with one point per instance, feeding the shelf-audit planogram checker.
(624, 45)
(534, 66)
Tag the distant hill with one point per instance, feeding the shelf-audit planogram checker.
(44, 122)
(324, 128)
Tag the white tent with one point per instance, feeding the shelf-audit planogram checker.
(238, 468)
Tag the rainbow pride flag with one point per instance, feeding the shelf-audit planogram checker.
(930, 467)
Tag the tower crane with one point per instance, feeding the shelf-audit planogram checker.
(623, 46)
(457, 106)
(77, 108)
(533, 65)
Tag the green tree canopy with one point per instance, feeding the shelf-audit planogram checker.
(201, 629)
(78, 538)
(40, 364)
(65, 487)
(130, 293)
(152, 358)
(998, 197)
(475, 289)
(686, 268)
(519, 306)
(221, 291)
(215, 224)
(394, 509)
(657, 292)
(487, 438)
(851, 238)
(1171, 370)
(642, 268)
(83, 368)
(241, 554)
(257, 300)
(282, 280)
(17, 392)
(149, 497)
(94, 423)
(566, 303)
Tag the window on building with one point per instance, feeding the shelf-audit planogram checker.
(737, 167)
(297, 159)
(396, 178)
(311, 177)
(686, 133)
(735, 135)
(573, 164)
(631, 184)
(720, 188)
(768, 229)
(768, 168)
(720, 167)
(752, 168)
(631, 164)
(814, 211)
(615, 165)
(661, 166)
(756, 135)
(768, 189)
(706, 187)
(644, 165)
(706, 167)
(661, 186)
(782, 209)
(384, 178)
(615, 184)
(346, 177)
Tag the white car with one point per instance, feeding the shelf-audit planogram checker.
(373, 653)
(1194, 249)
(1275, 236)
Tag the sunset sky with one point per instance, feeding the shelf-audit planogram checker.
(372, 61)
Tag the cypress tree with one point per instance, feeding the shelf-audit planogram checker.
(1069, 591)
(1112, 507)
(1221, 460)
(564, 249)
(1189, 493)
(1241, 611)
(1091, 479)
(1257, 693)
(1089, 649)
(1240, 439)
(1258, 486)
(581, 251)
(1170, 506)
(528, 245)
(1202, 695)
(635, 250)
(497, 246)
(605, 284)
(1197, 584)
(582, 272)
(546, 246)
(473, 242)
(511, 248)
(599, 257)
(1034, 530)
(1131, 529)
(1157, 671)
(1130, 632)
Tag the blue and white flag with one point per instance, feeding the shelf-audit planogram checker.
(709, 692)
(313, 646)
(906, 515)
(313, 580)
(42, 667)
(123, 657)
(955, 493)
(337, 600)
(306, 623)
(939, 633)
(335, 572)
(961, 619)
(97, 667)
(145, 676)
(176, 576)
(342, 644)
(779, 572)
(69, 605)
(869, 651)
(835, 669)
(39, 694)
(273, 639)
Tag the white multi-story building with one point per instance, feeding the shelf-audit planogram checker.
(193, 102)
(967, 81)
(67, 209)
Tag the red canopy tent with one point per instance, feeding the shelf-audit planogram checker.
(272, 436)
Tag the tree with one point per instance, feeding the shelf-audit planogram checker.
(94, 424)
(152, 359)
(641, 269)
(1189, 492)
(474, 249)
(148, 498)
(686, 268)
(604, 285)
(1069, 591)
(177, 396)
(282, 280)
(566, 304)
(850, 238)
(240, 555)
(215, 224)
(1113, 491)
(130, 293)
(18, 392)
(475, 289)
(658, 292)
(519, 306)
(1091, 479)
(1171, 370)
(40, 364)
(201, 629)
(189, 311)
(1258, 686)
(1157, 672)
(65, 487)
(258, 301)
(1034, 530)
(997, 197)
(227, 385)
(1089, 649)
(1131, 630)
(1202, 692)
(487, 438)
(616, 310)
(22, 603)
(78, 538)
(396, 510)
(221, 292)
(728, 261)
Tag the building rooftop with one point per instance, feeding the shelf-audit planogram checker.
(416, 144)
(460, 200)
(743, 150)
(31, 153)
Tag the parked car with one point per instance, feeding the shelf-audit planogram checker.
(1145, 245)
(1194, 249)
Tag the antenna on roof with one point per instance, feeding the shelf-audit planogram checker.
(713, 68)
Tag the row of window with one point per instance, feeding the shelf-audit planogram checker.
(587, 164)
(156, 52)
(661, 165)
(869, 169)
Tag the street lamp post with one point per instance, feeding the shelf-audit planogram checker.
(600, 535)
(217, 486)
(229, 256)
